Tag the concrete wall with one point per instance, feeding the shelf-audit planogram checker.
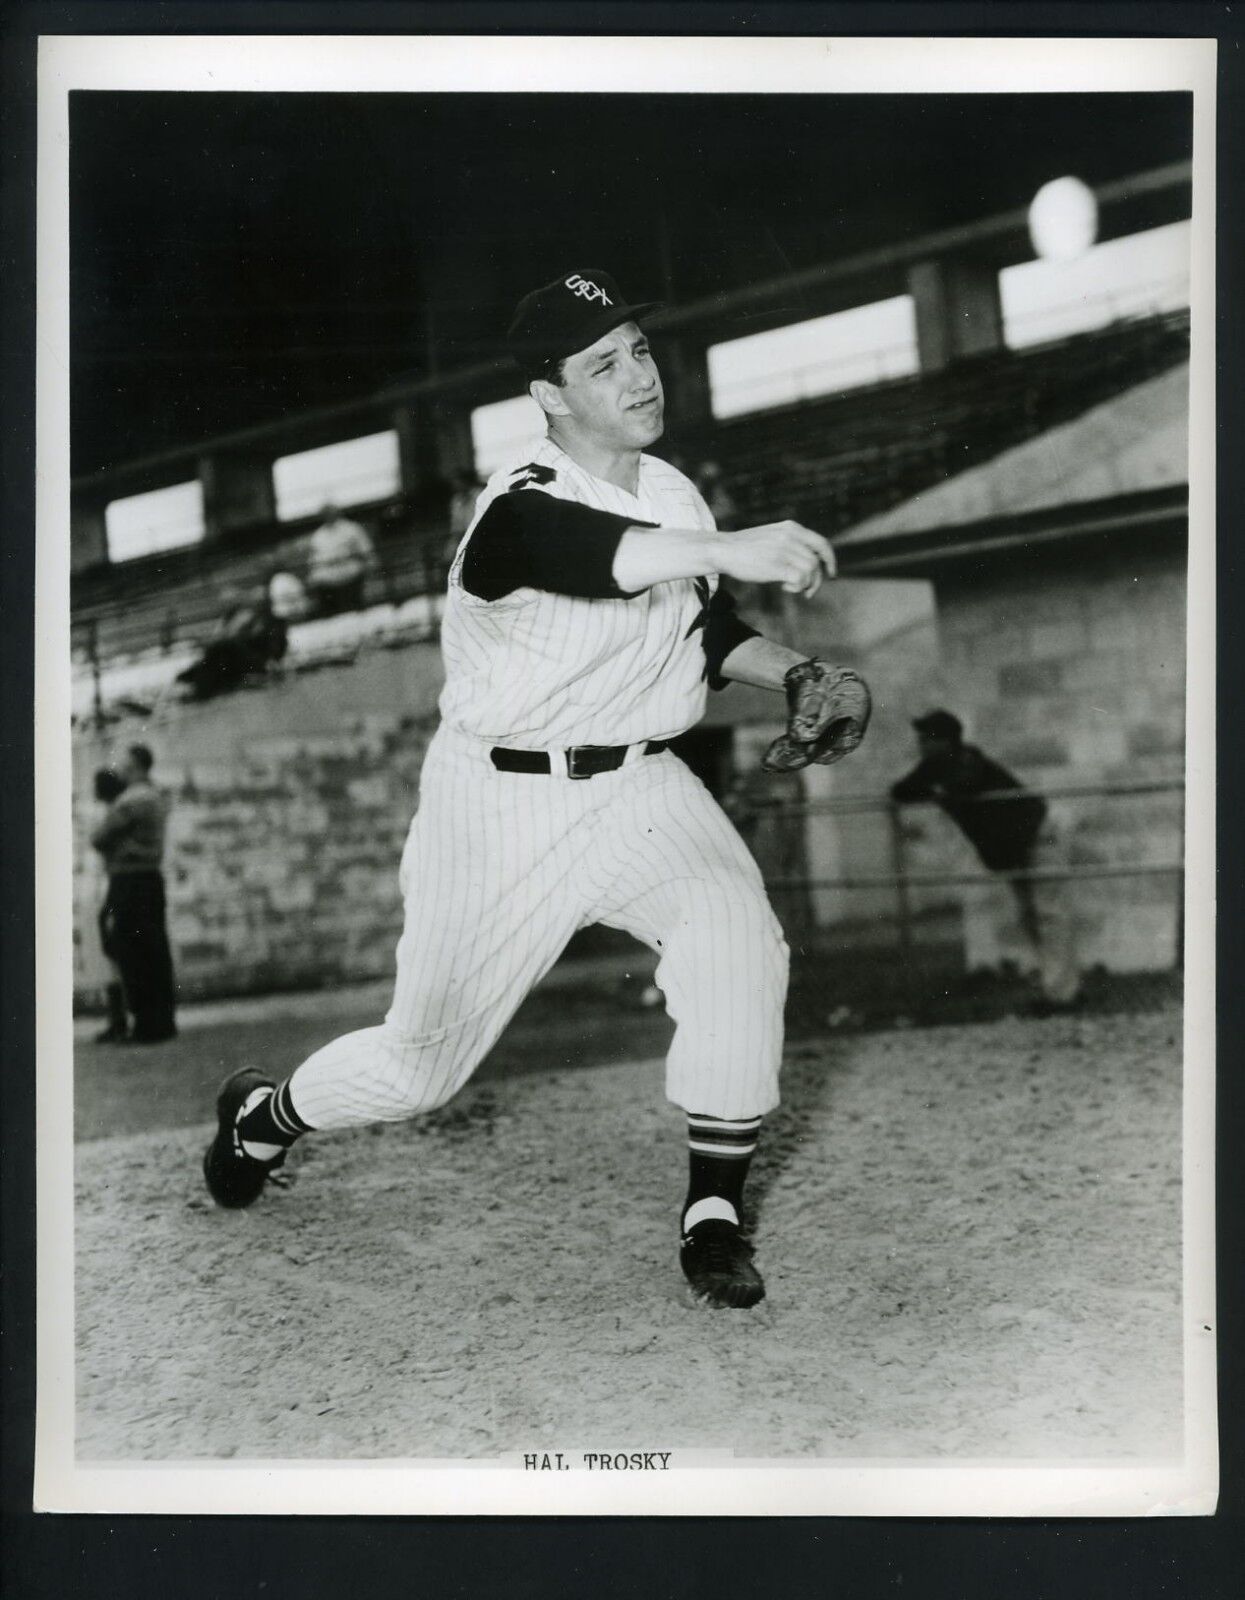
(1073, 673)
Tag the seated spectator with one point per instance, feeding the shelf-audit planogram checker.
(341, 556)
(288, 598)
(248, 639)
(717, 496)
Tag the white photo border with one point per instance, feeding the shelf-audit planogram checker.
(698, 1484)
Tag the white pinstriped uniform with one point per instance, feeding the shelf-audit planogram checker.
(501, 868)
(541, 671)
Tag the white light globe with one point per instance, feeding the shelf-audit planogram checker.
(1063, 219)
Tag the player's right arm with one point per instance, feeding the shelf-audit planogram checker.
(528, 538)
(775, 552)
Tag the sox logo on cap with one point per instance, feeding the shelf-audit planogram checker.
(587, 290)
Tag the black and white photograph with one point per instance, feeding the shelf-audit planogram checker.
(625, 872)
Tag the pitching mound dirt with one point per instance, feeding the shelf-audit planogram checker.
(970, 1237)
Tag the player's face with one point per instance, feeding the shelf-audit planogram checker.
(613, 390)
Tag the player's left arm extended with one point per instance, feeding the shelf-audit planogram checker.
(828, 707)
(761, 662)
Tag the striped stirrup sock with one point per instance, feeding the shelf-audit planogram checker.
(269, 1124)
(719, 1153)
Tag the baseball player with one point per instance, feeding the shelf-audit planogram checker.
(583, 621)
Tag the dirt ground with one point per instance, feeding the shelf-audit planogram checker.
(970, 1234)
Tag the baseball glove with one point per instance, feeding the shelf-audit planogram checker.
(828, 711)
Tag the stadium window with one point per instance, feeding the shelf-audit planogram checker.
(164, 519)
(1139, 275)
(346, 473)
(504, 430)
(821, 356)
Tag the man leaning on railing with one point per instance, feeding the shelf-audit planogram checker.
(1010, 829)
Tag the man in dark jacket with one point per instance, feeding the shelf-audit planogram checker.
(1004, 823)
(131, 841)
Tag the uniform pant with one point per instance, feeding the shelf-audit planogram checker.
(498, 872)
(139, 945)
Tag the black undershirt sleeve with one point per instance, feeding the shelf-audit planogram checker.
(724, 629)
(531, 540)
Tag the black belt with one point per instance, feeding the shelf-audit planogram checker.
(582, 760)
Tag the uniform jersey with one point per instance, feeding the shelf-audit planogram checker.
(534, 669)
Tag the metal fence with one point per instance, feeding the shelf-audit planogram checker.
(902, 880)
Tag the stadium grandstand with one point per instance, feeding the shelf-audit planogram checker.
(829, 462)
(1000, 467)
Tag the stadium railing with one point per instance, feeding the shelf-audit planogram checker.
(902, 880)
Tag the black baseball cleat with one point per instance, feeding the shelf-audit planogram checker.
(235, 1179)
(717, 1262)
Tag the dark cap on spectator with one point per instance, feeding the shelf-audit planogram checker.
(567, 315)
(940, 725)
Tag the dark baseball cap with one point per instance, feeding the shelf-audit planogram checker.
(939, 725)
(567, 315)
